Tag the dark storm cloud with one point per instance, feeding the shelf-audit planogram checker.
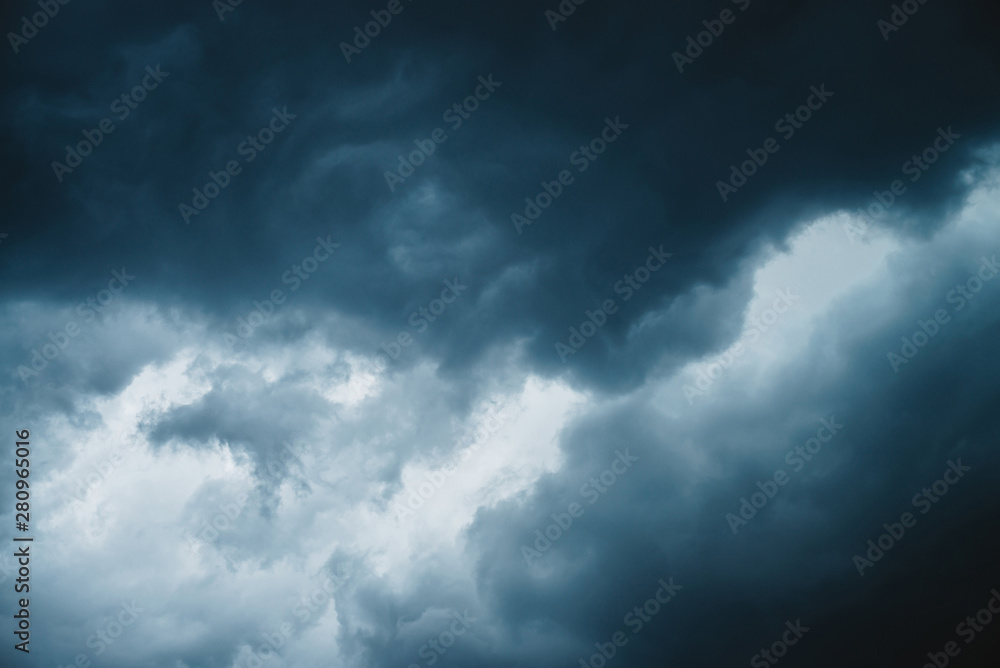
(324, 174)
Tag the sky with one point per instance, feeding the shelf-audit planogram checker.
(405, 334)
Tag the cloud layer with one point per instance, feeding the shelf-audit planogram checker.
(326, 420)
